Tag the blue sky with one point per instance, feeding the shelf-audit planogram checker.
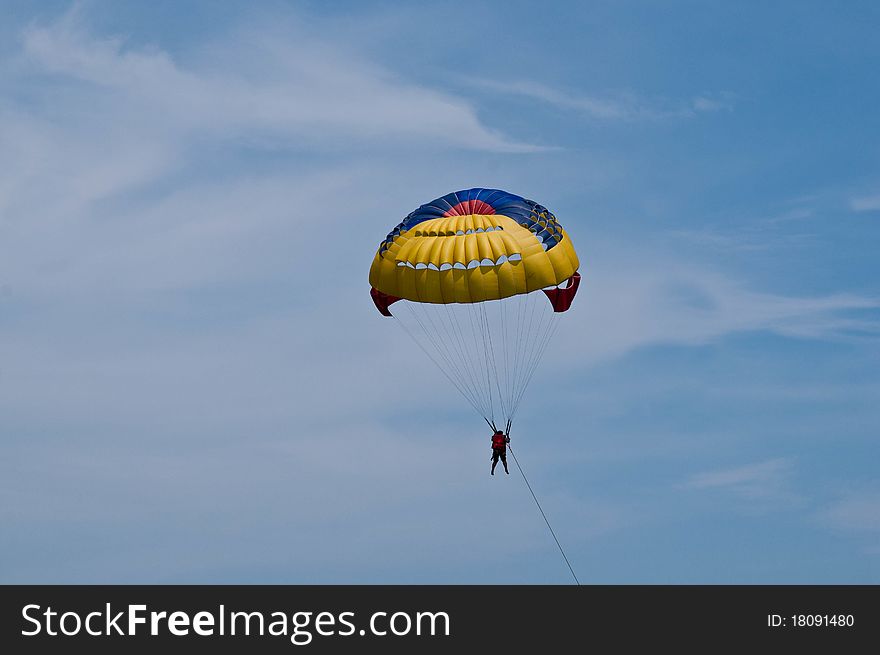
(195, 386)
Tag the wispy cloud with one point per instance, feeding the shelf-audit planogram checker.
(642, 298)
(865, 203)
(766, 481)
(621, 106)
(712, 103)
(743, 476)
(794, 214)
(772, 229)
(749, 238)
(857, 511)
(298, 88)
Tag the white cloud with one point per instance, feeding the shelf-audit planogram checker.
(865, 203)
(100, 117)
(857, 511)
(621, 106)
(710, 103)
(632, 297)
(743, 476)
(762, 482)
(602, 108)
(299, 88)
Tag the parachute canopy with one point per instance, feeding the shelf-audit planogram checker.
(469, 268)
(471, 246)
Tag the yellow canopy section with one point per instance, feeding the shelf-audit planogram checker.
(473, 257)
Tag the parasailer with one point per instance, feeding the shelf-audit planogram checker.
(470, 275)
(499, 450)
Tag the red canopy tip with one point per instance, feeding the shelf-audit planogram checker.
(382, 301)
(562, 297)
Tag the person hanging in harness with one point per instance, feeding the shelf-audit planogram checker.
(499, 450)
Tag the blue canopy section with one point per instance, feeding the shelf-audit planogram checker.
(527, 213)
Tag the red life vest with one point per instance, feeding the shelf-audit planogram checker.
(498, 441)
